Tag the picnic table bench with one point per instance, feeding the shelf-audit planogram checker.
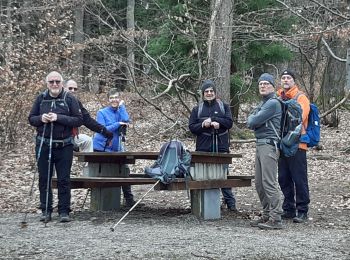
(107, 172)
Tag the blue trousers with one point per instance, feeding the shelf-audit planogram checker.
(229, 197)
(61, 158)
(293, 180)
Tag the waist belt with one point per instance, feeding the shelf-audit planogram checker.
(62, 142)
(267, 141)
(221, 134)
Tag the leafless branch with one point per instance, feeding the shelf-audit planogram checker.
(331, 52)
(171, 83)
(341, 102)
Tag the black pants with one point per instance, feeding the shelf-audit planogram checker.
(61, 158)
(292, 177)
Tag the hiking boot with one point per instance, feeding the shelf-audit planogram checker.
(64, 217)
(300, 218)
(288, 215)
(44, 217)
(130, 203)
(271, 224)
(255, 223)
(232, 208)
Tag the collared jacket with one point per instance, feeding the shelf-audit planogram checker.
(110, 118)
(268, 112)
(68, 113)
(304, 103)
(204, 136)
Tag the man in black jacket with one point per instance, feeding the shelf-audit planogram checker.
(54, 114)
(83, 141)
(210, 122)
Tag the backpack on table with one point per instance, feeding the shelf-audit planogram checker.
(173, 162)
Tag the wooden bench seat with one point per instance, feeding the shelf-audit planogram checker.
(140, 179)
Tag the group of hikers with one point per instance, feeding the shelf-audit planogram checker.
(57, 114)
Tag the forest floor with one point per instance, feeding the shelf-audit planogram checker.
(165, 228)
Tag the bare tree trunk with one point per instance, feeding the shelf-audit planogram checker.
(334, 81)
(78, 39)
(219, 46)
(130, 18)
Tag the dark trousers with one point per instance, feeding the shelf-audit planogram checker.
(61, 159)
(292, 177)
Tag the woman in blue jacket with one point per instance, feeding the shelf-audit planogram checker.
(113, 117)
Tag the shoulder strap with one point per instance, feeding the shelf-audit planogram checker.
(200, 109)
(221, 105)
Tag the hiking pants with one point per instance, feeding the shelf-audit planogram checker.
(84, 142)
(292, 177)
(266, 184)
(61, 158)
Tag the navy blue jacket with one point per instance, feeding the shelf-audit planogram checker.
(67, 110)
(204, 136)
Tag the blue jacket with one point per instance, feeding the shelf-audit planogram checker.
(110, 117)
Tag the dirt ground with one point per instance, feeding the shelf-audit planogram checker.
(165, 228)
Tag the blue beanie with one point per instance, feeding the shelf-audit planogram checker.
(267, 77)
(208, 84)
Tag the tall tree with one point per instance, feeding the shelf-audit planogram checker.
(219, 45)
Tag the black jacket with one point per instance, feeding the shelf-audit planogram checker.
(88, 121)
(68, 113)
(206, 136)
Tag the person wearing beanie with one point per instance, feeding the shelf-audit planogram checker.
(210, 120)
(292, 171)
(265, 120)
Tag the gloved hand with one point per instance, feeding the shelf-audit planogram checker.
(106, 133)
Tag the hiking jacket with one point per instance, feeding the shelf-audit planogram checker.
(304, 103)
(88, 121)
(68, 113)
(268, 112)
(110, 118)
(205, 136)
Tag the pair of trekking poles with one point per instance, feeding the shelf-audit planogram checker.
(24, 221)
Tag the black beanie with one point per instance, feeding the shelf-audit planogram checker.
(288, 72)
(208, 84)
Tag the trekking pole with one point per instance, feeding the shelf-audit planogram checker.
(24, 221)
(120, 220)
(48, 177)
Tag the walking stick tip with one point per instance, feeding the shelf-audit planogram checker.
(112, 229)
(24, 224)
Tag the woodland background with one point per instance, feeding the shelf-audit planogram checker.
(163, 49)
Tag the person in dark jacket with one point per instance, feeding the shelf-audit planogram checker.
(54, 114)
(83, 141)
(214, 120)
(265, 120)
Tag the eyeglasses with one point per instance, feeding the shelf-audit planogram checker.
(54, 81)
(286, 77)
(265, 84)
(209, 90)
(73, 89)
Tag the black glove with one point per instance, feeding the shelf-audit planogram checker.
(106, 133)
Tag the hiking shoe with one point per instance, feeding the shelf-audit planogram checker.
(130, 203)
(300, 218)
(44, 217)
(288, 215)
(64, 217)
(271, 224)
(232, 209)
(255, 223)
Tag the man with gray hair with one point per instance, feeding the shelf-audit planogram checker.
(54, 114)
(264, 120)
(83, 141)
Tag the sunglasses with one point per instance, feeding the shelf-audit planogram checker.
(74, 89)
(208, 91)
(54, 81)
